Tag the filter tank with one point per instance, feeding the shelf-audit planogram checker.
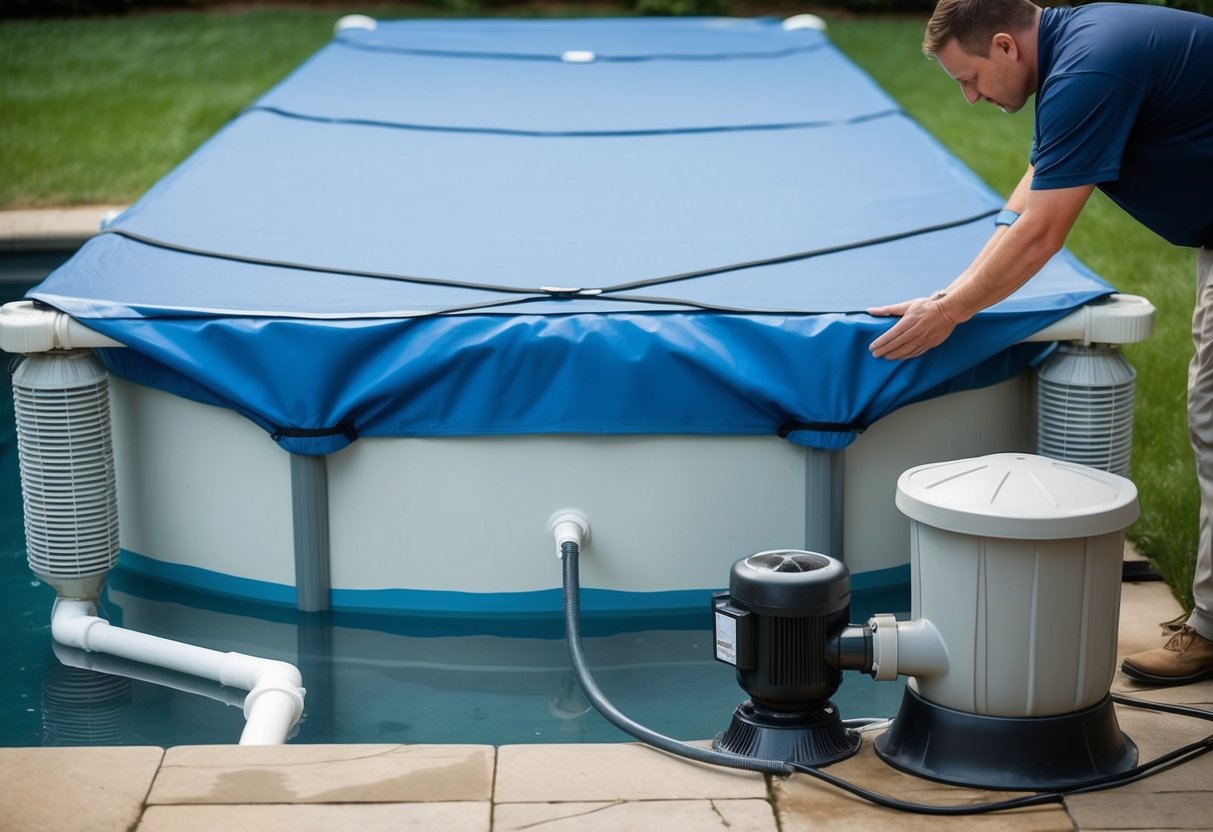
(1016, 561)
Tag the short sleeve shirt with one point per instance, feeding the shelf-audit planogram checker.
(1125, 102)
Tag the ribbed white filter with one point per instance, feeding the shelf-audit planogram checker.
(67, 468)
(1084, 407)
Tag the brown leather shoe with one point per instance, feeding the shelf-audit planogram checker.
(1187, 657)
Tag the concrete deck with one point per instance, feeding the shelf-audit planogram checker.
(571, 787)
(51, 229)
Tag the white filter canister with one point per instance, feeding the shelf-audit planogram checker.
(1016, 560)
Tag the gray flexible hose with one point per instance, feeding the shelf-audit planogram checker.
(569, 552)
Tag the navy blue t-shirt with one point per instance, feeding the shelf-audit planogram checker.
(1125, 102)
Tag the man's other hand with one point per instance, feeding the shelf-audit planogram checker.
(924, 324)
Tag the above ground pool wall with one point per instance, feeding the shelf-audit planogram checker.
(205, 498)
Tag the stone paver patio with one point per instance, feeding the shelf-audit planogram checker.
(570, 787)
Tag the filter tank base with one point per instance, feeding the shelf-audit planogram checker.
(815, 737)
(1017, 753)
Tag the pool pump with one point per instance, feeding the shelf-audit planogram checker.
(781, 625)
(1010, 647)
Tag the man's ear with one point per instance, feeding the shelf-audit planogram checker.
(1005, 45)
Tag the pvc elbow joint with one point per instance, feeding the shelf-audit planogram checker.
(910, 648)
(271, 709)
(70, 622)
(240, 670)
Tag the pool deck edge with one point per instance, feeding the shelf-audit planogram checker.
(609, 786)
(51, 229)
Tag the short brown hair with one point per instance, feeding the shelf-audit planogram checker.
(973, 23)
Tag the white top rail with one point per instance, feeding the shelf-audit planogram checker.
(26, 328)
(1117, 319)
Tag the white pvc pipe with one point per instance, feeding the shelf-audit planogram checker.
(275, 700)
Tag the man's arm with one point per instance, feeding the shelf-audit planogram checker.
(1010, 259)
(1018, 203)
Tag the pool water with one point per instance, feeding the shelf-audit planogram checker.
(369, 678)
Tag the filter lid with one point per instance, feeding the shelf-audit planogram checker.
(1018, 496)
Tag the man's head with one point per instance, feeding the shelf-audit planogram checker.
(988, 47)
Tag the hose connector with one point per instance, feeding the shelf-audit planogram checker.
(569, 526)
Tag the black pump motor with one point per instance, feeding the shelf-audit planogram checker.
(779, 625)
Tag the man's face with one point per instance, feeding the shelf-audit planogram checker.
(999, 78)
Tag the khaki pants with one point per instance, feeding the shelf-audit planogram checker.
(1200, 430)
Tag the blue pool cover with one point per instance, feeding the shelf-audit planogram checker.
(439, 228)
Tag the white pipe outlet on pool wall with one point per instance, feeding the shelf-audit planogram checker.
(272, 707)
(569, 526)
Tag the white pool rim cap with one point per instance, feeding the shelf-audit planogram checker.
(1017, 496)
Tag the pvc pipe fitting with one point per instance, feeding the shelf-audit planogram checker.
(240, 670)
(569, 526)
(1116, 319)
(884, 647)
(909, 648)
(271, 709)
(26, 328)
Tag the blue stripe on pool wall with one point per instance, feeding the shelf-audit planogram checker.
(416, 601)
(443, 602)
(207, 580)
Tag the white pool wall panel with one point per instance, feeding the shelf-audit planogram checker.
(200, 486)
(969, 423)
(470, 514)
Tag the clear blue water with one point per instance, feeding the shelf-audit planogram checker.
(369, 678)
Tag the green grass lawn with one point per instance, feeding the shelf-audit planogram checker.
(97, 110)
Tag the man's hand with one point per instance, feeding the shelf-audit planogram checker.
(924, 324)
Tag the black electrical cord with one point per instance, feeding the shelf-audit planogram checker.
(570, 553)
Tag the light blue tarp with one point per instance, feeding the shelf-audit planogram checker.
(440, 228)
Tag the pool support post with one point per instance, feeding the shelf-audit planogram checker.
(310, 519)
